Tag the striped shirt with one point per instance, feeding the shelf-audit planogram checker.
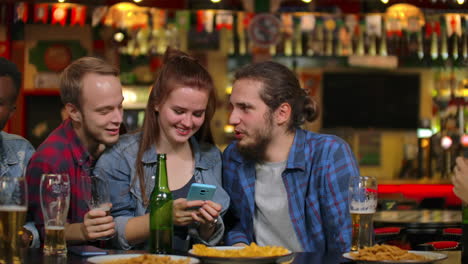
(316, 180)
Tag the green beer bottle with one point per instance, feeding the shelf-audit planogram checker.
(161, 225)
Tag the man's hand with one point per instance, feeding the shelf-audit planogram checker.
(97, 225)
(460, 179)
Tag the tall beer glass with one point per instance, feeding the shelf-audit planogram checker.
(96, 192)
(55, 199)
(13, 207)
(362, 205)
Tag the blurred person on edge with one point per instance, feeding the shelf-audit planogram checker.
(460, 179)
(91, 91)
(288, 186)
(15, 151)
(177, 120)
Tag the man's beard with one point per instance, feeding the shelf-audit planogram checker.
(262, 138)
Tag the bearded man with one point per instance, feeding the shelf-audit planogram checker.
(91, 92)
(288, 186)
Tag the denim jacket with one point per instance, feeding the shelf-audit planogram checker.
(118, 165)
(15, 153)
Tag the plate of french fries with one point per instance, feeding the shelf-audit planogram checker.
(246, 255)
(142, 259)
(391, 254)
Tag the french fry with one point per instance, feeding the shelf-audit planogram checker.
(249, 251)
(385, 252)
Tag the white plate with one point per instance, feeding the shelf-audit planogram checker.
(105, 258)
(245, 260)
(431, 257)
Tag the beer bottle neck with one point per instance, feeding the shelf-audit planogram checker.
(161, 173)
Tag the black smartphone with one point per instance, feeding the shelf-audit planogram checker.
(87, 251)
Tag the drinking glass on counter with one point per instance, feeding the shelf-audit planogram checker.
(96, 192)
(362, 206)
(55, 200)
(13, 207)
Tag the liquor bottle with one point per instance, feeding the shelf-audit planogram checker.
(161, 225)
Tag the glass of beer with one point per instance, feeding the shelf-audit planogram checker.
(13, 207)
(96, 192)
(362, 206)
(55, 200)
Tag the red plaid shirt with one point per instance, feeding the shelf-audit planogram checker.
(61, 152)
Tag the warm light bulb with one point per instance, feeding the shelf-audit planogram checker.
(446, 142)
(61, 1)
(137, 1)
(215, 1)
(384, 1)
(119, 36)
(306, 1)
(460, 2)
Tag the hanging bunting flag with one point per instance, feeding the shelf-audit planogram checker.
(78, 15)
(59, 14)
(453, 22)
(288, 24)
(183, 19)
(394, 27)
(200, 20)
(374, 25)
(413, 24)
(159, 18)
(224, 19)
(21, 10)
(351, 22)
(41, 13)
(98, 15)
(307, 23)
(209, 21)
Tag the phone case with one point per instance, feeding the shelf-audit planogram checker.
(200, 191)
(86, 251)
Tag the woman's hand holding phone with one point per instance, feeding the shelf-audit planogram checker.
(183, 209)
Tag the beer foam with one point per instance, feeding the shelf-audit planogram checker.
(103, 208)
(13, 208)
(55, 227)
(369, 211)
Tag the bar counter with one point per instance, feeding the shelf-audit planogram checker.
(35, 256)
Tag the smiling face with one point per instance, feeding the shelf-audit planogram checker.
(7, 100)
(252, 119)
(101, 110)
(182, 114)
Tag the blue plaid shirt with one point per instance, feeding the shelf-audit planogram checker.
(316, 180)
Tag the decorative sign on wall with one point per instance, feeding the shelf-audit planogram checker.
(54, 56)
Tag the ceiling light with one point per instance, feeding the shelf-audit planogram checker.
(61, 1)
(384, 1)
(215, 1)
(306, 1)
(460, 2)
(137, 1)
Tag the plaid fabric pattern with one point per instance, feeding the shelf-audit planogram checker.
(61, 152)
(316, 180)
